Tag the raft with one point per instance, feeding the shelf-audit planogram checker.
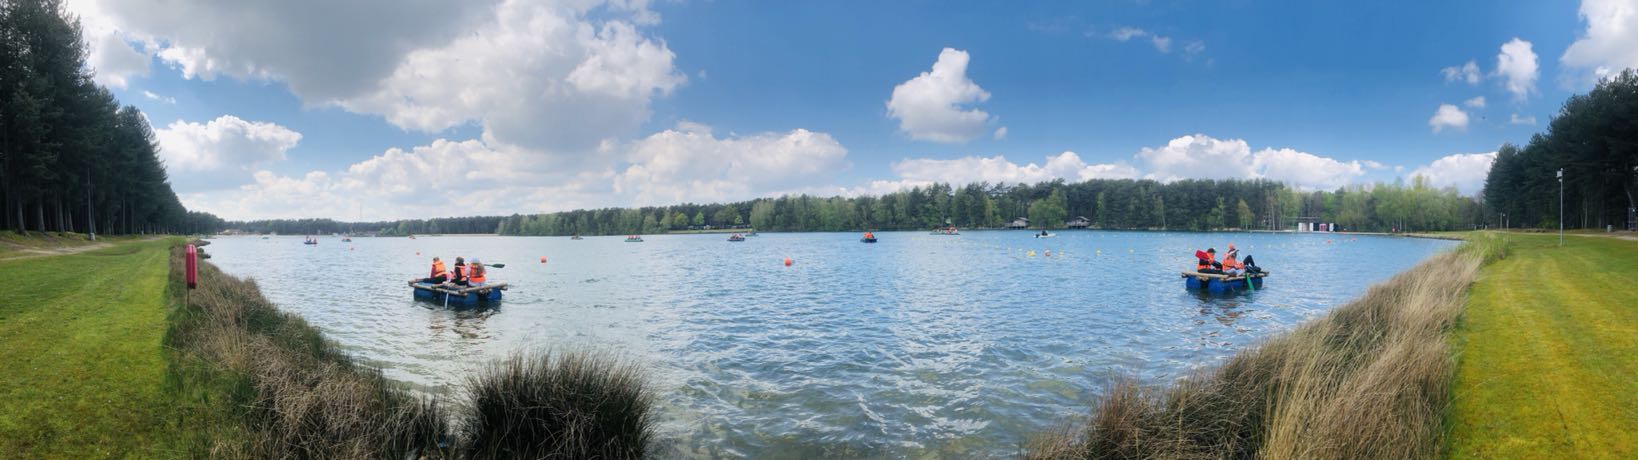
(1217, 282)
(867, 240)
(460, 296)
(736, 239)
(634, 240)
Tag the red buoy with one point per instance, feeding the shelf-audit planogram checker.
(787, 261)
(542, 259)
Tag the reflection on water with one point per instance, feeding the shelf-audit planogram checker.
(920, 344)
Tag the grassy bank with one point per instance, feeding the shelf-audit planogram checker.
(80, 345)
(1549, 353)
(1367, 380)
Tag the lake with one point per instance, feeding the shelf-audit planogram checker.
(920, 344)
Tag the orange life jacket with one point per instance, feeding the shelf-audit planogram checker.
(438, 269)
(1231, 263)
(460, 272)
(477, 274)
(1206, 262)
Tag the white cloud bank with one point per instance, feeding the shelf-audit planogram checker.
(556, 77)
(1448, 116)
(1464, 171)
(221, 153)
(1200, 156)
(1474, 103)
(1610, 42)
(930, 107)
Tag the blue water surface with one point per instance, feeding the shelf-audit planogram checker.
(917, 345)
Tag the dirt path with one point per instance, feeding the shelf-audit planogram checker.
(34, 252)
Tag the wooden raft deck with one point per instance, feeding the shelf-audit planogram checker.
(1223, 277)
(456, 290)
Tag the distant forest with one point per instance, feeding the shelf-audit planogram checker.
(1594, 140)
(71, 157)
(1105, 204)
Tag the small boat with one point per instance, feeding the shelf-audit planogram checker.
(736, 238)
(576, 237)
(947, 231)
(460, 296)
(867, 240)
(346, 239)
(752, 233)
(1049, 235)
(264, 237)
(634, 239)
(1220, 283)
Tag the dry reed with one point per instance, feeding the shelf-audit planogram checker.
(1368, 380)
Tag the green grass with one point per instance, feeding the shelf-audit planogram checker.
(80, 348)
(1548, 353)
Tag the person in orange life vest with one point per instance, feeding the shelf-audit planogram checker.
(459, 277)
(439, 274)
(1207, 262)
(475, 275)
(870, 236)
(1232, 266)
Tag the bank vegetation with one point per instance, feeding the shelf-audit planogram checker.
(1370, 379)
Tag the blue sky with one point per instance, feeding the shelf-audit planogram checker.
(379, 109)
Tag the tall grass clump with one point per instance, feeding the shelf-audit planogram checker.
(272, 387)
(575, 404)
(1369, 379)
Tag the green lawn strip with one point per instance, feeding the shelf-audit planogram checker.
(81, 348)
(1548, 353)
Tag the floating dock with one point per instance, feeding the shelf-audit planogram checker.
(1218, 282)
(461, 296)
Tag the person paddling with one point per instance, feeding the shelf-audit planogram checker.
(476, 275)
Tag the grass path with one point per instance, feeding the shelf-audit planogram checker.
(80, 346)
(1549, 353)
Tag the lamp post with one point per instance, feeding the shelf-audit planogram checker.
(1561, 207)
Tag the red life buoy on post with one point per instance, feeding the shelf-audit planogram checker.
(192, 266)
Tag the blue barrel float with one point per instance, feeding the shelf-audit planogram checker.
(1221, 283)
(458, 296)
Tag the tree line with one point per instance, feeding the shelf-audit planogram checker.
(1594, 140)
(1103, 203)
(72, 159)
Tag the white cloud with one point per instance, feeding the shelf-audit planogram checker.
(1194, 47)
(1516, 65)
(1607, 46)
(208, 152)
(688, 163)
(558, 77)
(110, 53)
(1474, 103)
(1161, 43)
(1518, 120)
(1200, 156)
(536, 76)
(322, 50)
(1468, 72)
(1448, 116)
(930, 106)
(685, 164)
(156, 97)
(1000, 133)
(1465, 171)
(997, 169)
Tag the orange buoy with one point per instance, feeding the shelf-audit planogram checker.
(787, 261)
(542, 259)
(417, 252)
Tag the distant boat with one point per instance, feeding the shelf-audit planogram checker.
(752, 233)
(264, 237)
(634, 239)
(576, 237)
(736, 238)
(948, 231)
(867, 240)
(1045, 235)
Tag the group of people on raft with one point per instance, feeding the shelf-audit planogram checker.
(1231, 265)
(464, 274)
